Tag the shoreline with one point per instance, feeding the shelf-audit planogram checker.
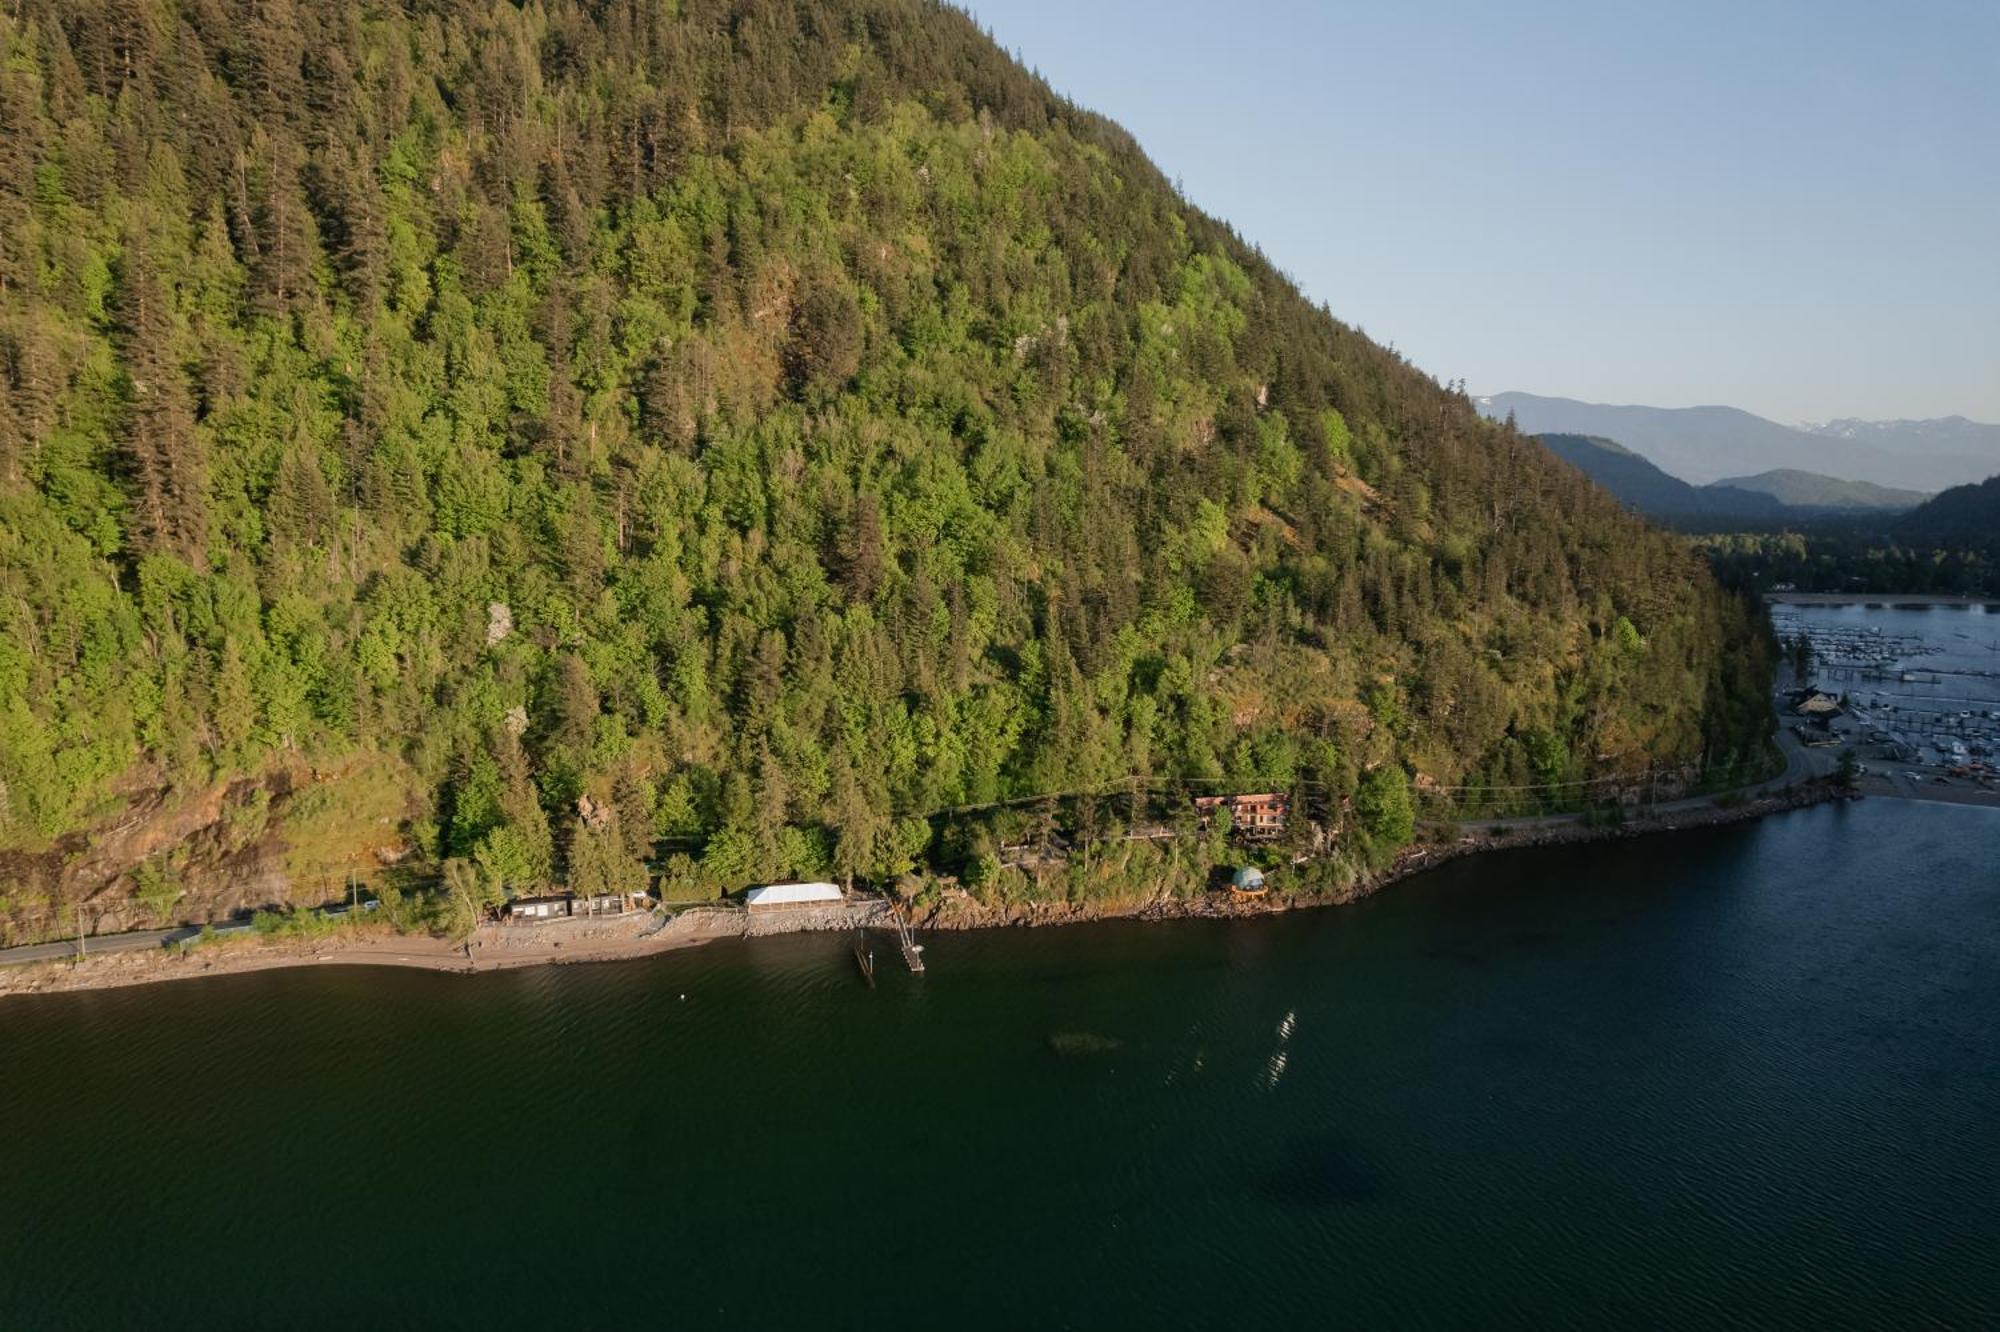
(490, 948)
(582, 940)
(1413, 860)
(1888, 600)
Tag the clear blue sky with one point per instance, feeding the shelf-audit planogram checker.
(1782, 205)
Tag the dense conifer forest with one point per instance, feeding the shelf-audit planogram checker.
(1854, 557)
(514, 443)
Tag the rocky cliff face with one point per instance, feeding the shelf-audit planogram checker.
(287, 838)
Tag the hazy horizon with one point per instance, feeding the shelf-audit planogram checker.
(1801, 423)
(1704, 206)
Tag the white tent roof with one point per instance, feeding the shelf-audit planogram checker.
(792, 894)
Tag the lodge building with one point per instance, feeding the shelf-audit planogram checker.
(1257, 816)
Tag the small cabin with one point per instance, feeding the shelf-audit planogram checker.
(555, 906)
(792, 896)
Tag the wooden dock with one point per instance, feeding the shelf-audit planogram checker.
(913, 952)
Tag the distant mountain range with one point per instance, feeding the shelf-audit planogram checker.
(1642, 486)
(1810, 490)
(1946, 434)
(1707, 444)
(1773, 497)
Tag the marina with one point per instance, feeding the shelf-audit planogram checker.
(1919, 685)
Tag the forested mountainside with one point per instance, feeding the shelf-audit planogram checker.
(503, 438)
(1648, 490)
(1815, 492)
(1857, 556)
(1950, 544)
(1963, 513)
(1769, 500)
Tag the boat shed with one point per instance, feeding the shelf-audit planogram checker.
(784, 896)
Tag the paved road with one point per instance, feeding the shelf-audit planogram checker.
(103, 943)
(132, 941)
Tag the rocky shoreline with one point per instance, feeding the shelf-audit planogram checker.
(961, 912)
(499, 948)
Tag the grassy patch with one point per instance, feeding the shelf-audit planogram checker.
(333, 828)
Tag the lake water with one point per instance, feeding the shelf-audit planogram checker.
(1745, 1076)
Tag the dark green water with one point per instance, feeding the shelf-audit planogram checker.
(1749, 1077)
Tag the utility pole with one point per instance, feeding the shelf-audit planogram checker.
(79, 932)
